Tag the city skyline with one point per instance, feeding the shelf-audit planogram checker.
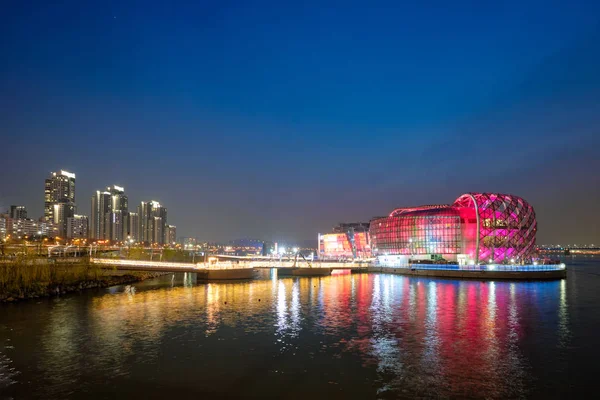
(109, 217)
(280, 122)
(129, 223)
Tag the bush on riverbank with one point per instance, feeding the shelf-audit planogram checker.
(27, 277)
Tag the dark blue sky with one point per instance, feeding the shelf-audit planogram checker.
(277, 120)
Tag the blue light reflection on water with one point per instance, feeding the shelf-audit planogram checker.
(363, 335)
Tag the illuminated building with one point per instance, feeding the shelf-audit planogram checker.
(152, 222)
(100, 207)
(59, 199)
(3, 232)
(131, 226)
(115, 225)
(171, 235)
(158, 230)
(61, 213)
(18, 212)
(109, 214)
(77, 227)
(188, 242)
(347, 240)
(118, 213)
(46, 229)
(118, 199)
(244, 247)
(268, 248)
(18, 228)
(476, 228)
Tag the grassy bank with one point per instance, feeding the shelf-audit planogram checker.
(28, 277)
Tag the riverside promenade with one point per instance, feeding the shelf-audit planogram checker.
(243, 269)
(205, 270)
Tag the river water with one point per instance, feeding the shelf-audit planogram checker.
(343, 336)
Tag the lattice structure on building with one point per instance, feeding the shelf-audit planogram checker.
(480, 227)
(507, 226)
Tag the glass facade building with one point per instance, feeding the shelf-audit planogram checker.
(476, 228)
(339, 245)
(346, 240)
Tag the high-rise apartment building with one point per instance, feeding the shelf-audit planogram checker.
(115, 225)
(115, 229)
(171, 235)
(131, 227)
(18, 212)
(61, 214)
(59, 199)
(118, 199)
(145, 214)
(101, 204)
(77, 227)
(158, 231)
(109, 214)
(152, 222)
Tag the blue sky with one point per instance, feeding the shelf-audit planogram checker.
(278, 119)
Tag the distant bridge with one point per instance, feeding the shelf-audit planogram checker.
(570, 250)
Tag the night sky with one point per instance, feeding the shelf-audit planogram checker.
(277, 121)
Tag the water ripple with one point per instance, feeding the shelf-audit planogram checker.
(364, 335)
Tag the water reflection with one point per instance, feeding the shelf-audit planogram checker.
(408, 336)
(282, 325)
(563, 316)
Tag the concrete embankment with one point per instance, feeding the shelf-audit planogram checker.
(510, 275)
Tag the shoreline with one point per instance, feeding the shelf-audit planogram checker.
(83, 277)
(57, 289)
(479, 275)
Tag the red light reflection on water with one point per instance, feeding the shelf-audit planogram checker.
(456, 337)
(409, 336)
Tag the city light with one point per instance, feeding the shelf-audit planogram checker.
(484, 226)
(67, 174)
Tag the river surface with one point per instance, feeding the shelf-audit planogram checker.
(343, 336)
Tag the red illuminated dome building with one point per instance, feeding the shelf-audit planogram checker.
(476, 228)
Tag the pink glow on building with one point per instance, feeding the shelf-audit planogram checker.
(481, 227)
(338, 245)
